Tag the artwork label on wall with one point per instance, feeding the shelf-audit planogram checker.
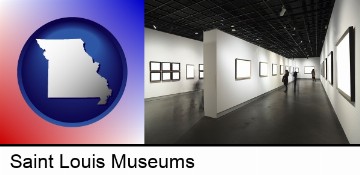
(330, 68)
(242, 69)
(345, 59)
(308, 69)
(190, 71)
(263, 69)
(274, 69)
(281, 69)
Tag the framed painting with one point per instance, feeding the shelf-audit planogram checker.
(242, 69)
(345, 59)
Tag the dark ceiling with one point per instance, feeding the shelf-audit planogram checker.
(299, 33)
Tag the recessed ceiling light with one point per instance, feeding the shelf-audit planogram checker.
(232, 26)
(154, 27)
(233, 30)
(294, 28)
(196, 33)
(293, 34)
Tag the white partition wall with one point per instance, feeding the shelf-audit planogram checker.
(344, 15)
(222, 90)
(163, 47)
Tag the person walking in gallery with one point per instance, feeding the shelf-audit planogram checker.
(313, 74)
(295, 78)
(285, 79)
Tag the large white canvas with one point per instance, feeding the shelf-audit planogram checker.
(190, 71)
(281, 69)
(263, 69)
(274, 69)
(343, 65)
(308, 69)
(243, 69)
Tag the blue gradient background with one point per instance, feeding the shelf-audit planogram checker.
(124, 19)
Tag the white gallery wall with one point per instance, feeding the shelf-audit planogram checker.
(164, 47)
(221, 90)
(344, 15)
(312, 61)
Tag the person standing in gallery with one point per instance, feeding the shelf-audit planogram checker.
(313, 74)
(285, 79)
(295, 78)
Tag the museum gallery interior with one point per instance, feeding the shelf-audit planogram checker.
(214, 72)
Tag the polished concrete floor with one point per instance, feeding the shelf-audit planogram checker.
(303, 116)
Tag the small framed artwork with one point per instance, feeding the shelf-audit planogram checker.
(175, 76)
(330, 68)
(190, 71)
(175, 66)
(263, 69)
(325, 68)
(322, 69)
(308, 69)
(242, 69)
(281, 69)
(345, 59)
(201, 67)
(297, 69)
(201, 75)
(274, 69)
(166, 76)
(155, 66)
(166, 66)
(201, 71)
(155, 76)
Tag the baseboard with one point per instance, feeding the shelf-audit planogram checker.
(171, 95)
(227, 111)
